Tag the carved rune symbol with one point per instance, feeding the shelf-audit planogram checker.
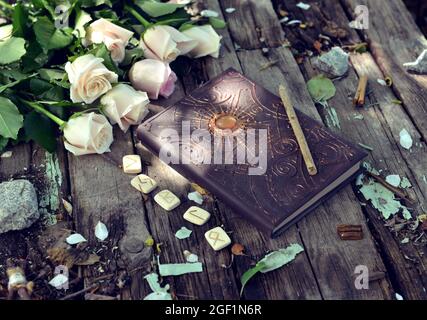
(213, 235)
(145, 180)
(193, 213)
(169, 198)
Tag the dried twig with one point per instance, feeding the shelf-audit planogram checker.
(393, 189)
(359, 98)
(299, 134)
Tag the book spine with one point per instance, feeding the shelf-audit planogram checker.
(189, 172)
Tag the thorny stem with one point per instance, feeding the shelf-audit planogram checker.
(43, 111)
(137, 16)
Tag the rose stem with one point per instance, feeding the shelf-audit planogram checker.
(43, 111)
(137, 16)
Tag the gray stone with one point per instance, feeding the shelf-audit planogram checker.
(418, 66)
(18, 205)
(334, 63)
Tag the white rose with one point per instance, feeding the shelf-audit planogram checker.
(165, 43)
(114, 37)
(154, 77)
(125, 106)
(208, 41)
(87, 134)
(89, 78)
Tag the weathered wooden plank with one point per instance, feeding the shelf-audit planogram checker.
(394, 39)
(333, 284)
(214, 282)
(253, 25)
(333, 268)
(102, 192)
(19, 162)
(379, 129)
(281, 284)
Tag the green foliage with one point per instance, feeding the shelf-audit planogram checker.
(11, 50)
(156, 9)
(321, 88)
(49, 37)
(3, 143)
(20, 21)
(10, 119)
(41, 130)
(217, 23)
(272, 261)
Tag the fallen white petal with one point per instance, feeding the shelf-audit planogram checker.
(192, 258)
(209, 13)
(292, 22)
(59, 281)
(196, 197)
(382, 82)
(101, 231)
(405, 139)
(183, 233)
(398, 296)
(393, 179)
(75, 239)
(7, 154)
(303, 5)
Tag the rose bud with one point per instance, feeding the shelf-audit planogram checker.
(154, 77)
(114, 37)
(208, 41)
(125, 106)
(89, 78)
(165, 43)
(87, 134)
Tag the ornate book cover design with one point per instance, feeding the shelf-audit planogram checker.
(284, 191)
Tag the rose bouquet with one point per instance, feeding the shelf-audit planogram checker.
(73, 69)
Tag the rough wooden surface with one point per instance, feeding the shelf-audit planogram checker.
(100, 191)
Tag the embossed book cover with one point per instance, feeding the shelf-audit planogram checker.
(232, 137)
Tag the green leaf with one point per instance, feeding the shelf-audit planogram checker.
(217, 23)
(272, 261)
(187, 25)
(10, 119)
(34, 58)
(41, 130)
(82, 18)
(101, 51)
(20, 20)
(3, 143)
(6, 32)
(11, 50)
(279, 258)
(14, 83)
(132, 55)
(46, 90)
(95, 3)
(49, 37)
(321, 88)
(157, 9)
(248, 275)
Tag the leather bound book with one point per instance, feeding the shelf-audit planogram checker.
(232, 137)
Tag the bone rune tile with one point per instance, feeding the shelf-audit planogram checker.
(143, 183)
(196, 215)
(167, 200)
(217, 238)
(132, 164)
